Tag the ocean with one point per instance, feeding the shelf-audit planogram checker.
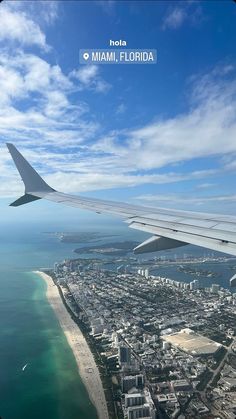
(50, 385)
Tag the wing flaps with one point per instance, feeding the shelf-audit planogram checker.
(209, 243)
(194, 229)
(155, 244)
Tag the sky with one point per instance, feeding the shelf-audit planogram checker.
(158, 135)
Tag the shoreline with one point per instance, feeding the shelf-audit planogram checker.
(87, 367)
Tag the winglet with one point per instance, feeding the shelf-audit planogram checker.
(32, 181)
(25, 199)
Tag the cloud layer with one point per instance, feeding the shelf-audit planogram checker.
(16, 26)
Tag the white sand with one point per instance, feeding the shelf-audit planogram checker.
(88, 369)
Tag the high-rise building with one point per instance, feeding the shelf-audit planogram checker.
(136, 399)
(166, 345)
(191, 286)
(97, 329)
(181, 385)
(56, 268)
(127, 383)
(196, 284)
(140, 405)
(139, 412)
(215, 288)
(115, 337)
(131, 381)
(124, 354)
(139, 380)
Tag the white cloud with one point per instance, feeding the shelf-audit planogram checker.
(207, 129)
(187, 11)
(89, 78)
(49, 114)
(175, 18)
(83, 175)
(86, 74)
(91, 176)
(175, 198)
(121, 108)
(231, 165)
(11, 85)
(101, 86)
(48, 10)
(56, 104)
(206, 185)
(16, 26)
(219, 203)
(107, 5)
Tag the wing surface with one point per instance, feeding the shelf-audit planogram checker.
(170, 228)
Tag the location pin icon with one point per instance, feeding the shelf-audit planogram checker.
(86, 56)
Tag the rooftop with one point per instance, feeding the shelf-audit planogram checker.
(188, 341)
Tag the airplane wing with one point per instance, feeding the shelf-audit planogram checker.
(169, 228)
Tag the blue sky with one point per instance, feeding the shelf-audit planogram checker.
(161, 134)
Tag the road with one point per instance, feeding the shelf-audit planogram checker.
(215, 372)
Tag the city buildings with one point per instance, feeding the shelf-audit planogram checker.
(160, 339)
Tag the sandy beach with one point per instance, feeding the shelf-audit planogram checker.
(88, 370)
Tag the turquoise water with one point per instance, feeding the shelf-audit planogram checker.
(50, 386)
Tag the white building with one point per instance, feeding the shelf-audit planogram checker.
(215, 288)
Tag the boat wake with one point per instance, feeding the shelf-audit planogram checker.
(24, 367)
